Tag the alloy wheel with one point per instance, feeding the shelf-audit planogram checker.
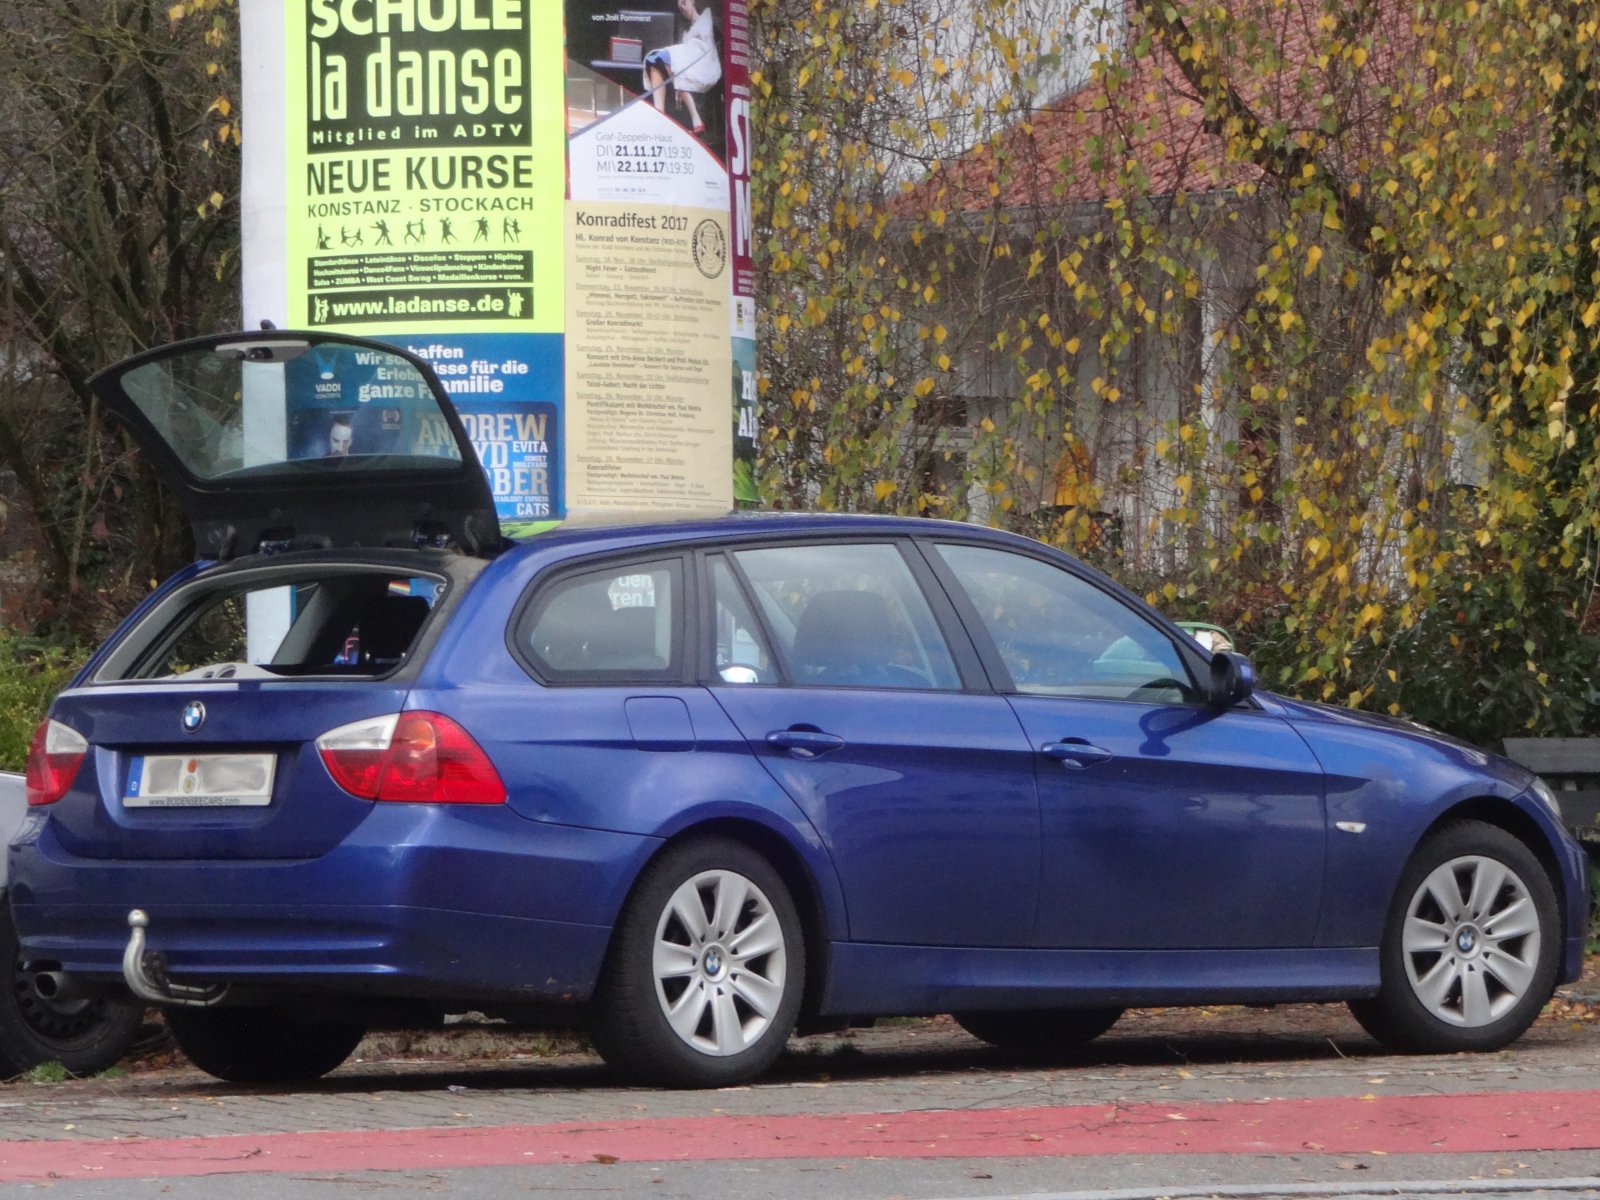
(1471, 941)
(719, 962)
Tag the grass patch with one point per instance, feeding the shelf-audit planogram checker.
(47, 1072)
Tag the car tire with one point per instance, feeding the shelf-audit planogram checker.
(1470, 948)
(84, 1036)
(704, 976)
(1039, 1031)
(261, 1045)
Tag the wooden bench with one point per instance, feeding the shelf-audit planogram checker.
(1571, 766)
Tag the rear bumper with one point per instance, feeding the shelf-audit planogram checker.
(419, 901)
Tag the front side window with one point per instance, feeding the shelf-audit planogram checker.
(617, 625)
(849, 616)
(1061, 636)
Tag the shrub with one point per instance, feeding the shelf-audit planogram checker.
(1495, 655)
(31, 673)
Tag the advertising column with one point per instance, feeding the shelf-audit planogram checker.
(533, 196)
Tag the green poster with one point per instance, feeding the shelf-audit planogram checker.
(426, 170)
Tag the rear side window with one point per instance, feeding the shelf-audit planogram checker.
(619, 625)
(741, 648)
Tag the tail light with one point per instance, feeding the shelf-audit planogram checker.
(422, 757)
(54, 756)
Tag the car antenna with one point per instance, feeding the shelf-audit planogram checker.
(266, 324)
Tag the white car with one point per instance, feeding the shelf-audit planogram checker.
(39, 1024)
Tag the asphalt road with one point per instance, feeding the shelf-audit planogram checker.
(1229, 1102)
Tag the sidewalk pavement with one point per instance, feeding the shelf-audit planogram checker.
(1287, 1098)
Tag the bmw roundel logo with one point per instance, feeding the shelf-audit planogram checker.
(194, 716)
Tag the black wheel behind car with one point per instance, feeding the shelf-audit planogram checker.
(1471, 947)
(261, 1045)
(84, 1035)
(1046, 1032)
(703, 980)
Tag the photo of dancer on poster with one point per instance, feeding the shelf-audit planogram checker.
(668, 53)
(690, 68)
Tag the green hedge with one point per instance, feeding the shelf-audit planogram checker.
(31, 673)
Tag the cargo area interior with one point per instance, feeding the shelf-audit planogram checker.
(343, 622)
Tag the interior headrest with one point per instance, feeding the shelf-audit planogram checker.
(841, 633)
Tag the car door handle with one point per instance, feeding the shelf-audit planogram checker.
(805, 743)
(1075, 755)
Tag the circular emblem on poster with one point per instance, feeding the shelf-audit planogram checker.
(710, 248)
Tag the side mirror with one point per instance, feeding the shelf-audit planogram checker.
(1232, 679)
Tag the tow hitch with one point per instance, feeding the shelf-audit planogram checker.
(146, 973)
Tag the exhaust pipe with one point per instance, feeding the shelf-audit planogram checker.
(57, 986)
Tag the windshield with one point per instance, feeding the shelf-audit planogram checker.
(280, 407)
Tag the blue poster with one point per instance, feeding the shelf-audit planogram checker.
(507, 389)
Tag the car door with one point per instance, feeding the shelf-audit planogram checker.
(872, 712)
(1167, 823)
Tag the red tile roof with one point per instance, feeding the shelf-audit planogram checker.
(1148, 108)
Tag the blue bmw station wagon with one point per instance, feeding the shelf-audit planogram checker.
(703, 784)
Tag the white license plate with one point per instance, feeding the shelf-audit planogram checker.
(200, 781)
